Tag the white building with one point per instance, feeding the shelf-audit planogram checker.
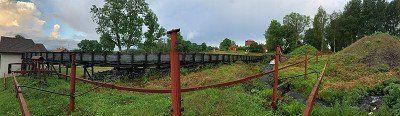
(12, 49)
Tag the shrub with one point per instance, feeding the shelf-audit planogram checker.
(302, 50)
(381, 68)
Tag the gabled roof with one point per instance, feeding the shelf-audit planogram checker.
(16, 45)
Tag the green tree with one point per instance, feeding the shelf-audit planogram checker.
(153, 34)
(392, 13)
(273, 35)
(294, 25)
(256, 48)
(373, 16)
(107, 43)
(90, 46)
(310, 37)
(18, 36)
(334, 34)
(122, 19)
(225, 44)
(319, 24)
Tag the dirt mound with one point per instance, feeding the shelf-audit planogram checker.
(374, 50)
(389, 55)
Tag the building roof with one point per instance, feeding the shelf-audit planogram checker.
(60, 50)
(15, 45)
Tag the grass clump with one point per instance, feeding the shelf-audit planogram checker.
(302, 50)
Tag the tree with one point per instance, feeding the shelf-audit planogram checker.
(319, 24)
(294, 26)
(122, 19)
(89, 46)
(225, 44)
(373, 16)
(256, 48)
(153, 34)
(334, 34)
(273, 35)
(107, 43)
(392, 13)
(18, 36)
(311, 38)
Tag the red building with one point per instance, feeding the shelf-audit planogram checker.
(249, 42)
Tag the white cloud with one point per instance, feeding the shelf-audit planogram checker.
(54, 33)
(20, 18)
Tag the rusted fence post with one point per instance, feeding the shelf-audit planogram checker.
(72, 84)
(313, 95)
(305, 64)
(276, 74)
(22, 103)
(175, 74)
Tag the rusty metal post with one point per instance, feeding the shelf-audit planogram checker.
(276, 74)
(305, 64)
(72, 84)
(313, 95)
(175, 74)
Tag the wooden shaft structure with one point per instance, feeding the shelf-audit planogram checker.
(175, 73)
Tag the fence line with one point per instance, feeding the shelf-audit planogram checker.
(313, 95)
(22, 103)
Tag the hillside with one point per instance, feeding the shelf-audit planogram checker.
(377, 49)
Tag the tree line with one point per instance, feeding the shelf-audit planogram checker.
(131, 26)
(333, 32)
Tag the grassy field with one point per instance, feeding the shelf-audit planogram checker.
(346, 82)
(235, 100)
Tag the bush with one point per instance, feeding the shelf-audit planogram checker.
(302, 50)
(381, 68)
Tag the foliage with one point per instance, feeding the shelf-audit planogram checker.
(294, 26)
(225, 44)
(316, 36)
(302, 50)
(123, 21)
(273, 35)
(360, 18)
(256, 48)
(90, 46)
(107, 43)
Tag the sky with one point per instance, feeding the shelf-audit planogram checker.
(63, 23)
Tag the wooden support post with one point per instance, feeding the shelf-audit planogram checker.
(210, 56)
(119, 59)
(132, 60)
(305, 64)
(62, 57)
(92, 66)
(194, 58)
(175, 74)
(202, 58)
(146, 58)
(105, 59)
(276, 76)
(159, 60)
(72, 85)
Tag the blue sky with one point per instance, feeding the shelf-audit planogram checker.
(208, 21)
